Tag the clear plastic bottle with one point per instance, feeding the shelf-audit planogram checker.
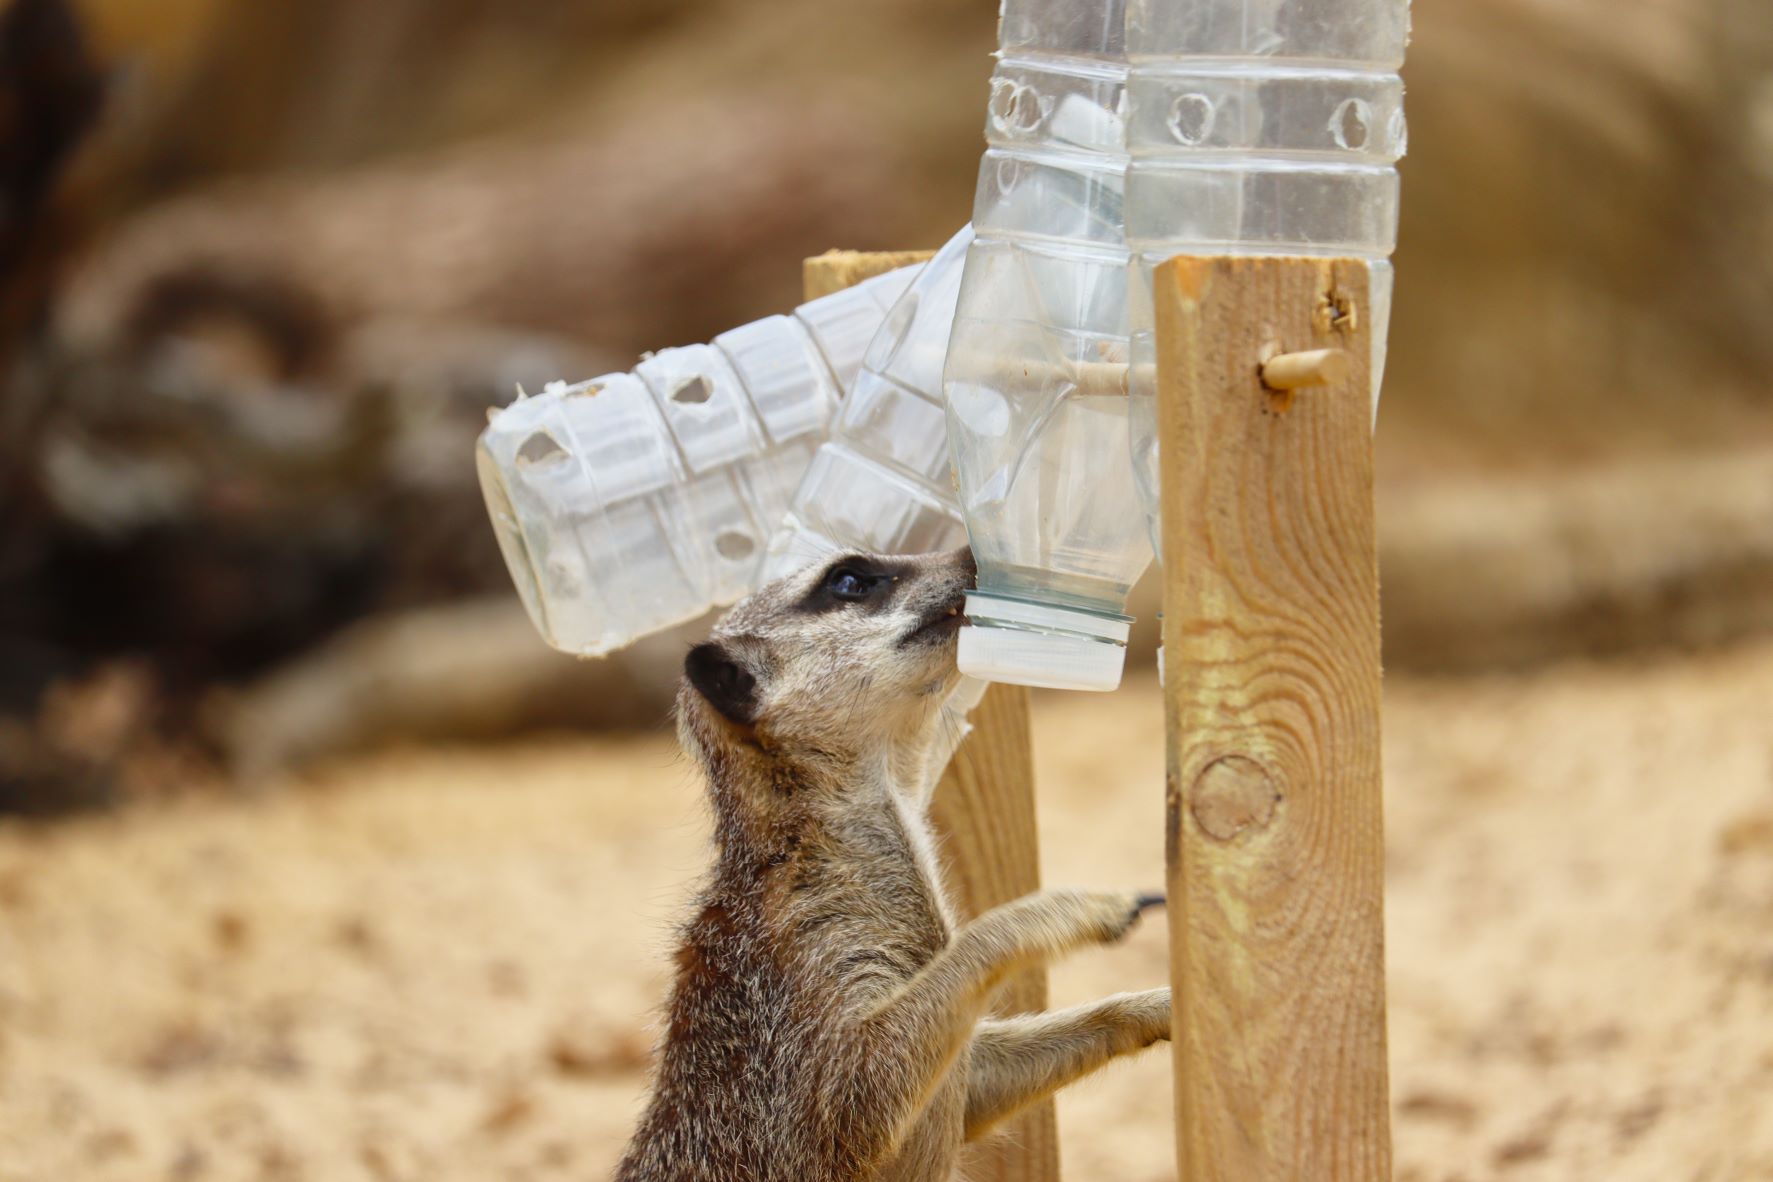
(882, 481)
(1259, 127)
(1036, 373)
(632, 502)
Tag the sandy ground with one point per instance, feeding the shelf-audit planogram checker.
(443, 964)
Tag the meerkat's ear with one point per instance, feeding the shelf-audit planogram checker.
(727, 685)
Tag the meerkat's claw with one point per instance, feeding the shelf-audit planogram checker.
(1137, 907)
(1128, 910)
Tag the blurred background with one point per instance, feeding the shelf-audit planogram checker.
(314, 863)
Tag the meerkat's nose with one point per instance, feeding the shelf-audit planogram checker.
(964, 559)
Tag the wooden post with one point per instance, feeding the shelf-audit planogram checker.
(1271, 642)
(983, 815)
(835, 270)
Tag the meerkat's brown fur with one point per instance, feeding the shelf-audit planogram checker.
(828, 1020)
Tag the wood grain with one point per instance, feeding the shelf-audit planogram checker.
(983, 815)
(1271, 643)
(835, 270)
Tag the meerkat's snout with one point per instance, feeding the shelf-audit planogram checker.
(940, 607)
(964, 556)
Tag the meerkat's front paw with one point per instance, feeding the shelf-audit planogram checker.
(1148, 1016)
(1053, 923)
(1134, 908)
(1110, 916)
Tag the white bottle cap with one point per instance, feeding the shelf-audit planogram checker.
(1039, 644)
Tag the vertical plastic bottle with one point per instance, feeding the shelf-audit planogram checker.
(882, 481)
(632, 502)
(1036, 373)
(1259, 127)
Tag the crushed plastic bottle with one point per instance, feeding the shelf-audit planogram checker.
(631, 502)
(882, 483)
(1259, 127)
(1037, 368)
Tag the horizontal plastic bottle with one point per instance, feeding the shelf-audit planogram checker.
(631, 502)
(882, 481)
(1259, 127)
(1036, 372)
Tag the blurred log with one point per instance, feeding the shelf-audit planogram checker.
(469, 670)
(1607, 560)
(1603, 560)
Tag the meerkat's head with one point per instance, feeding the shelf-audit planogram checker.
(835, 660)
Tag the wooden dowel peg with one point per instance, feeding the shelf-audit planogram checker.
(1088, 378)
(1294, 371)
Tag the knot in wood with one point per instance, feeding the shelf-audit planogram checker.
(1232, 795)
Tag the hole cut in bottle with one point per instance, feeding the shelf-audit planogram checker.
(541, 448)
(734, 546)
(693, 392)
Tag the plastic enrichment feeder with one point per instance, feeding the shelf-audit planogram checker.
(632, 502)
(1037, 367)
(1259, 127)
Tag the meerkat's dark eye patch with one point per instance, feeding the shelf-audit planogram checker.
(849, 580)
(727, 685)
(851, 585)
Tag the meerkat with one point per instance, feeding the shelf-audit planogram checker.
(828, 1017)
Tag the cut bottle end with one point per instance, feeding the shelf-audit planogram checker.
(513, 547)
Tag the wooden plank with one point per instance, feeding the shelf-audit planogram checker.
(983, 816)
(837, 269)
(1271, 642)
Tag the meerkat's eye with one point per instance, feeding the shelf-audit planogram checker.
(851, 585)
(855, 580)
